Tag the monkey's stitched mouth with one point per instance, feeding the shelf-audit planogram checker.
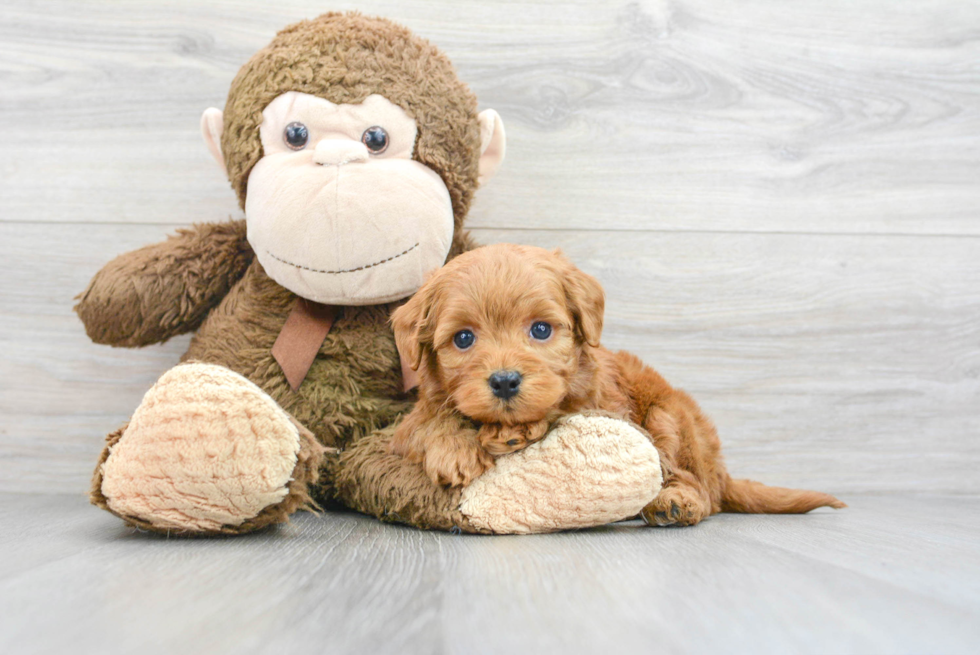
(347, 270)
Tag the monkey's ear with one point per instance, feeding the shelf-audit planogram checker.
(493, 144)
(408, 323)
(212, 124)
(586, 300)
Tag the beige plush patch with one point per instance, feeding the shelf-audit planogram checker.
(493, 144)
(589, 471)
(338, 224)
(205, 448)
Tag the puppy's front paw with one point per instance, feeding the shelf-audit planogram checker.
(457, 463)
(499, 439)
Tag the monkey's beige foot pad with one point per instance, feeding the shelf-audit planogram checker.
(588, 471)
(206, 449)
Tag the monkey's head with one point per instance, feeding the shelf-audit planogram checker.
(355, 151)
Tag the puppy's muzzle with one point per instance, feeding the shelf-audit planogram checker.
(505, 384)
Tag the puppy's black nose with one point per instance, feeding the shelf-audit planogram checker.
(505, 384)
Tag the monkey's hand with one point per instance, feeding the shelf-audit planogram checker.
(157, 292)
(498, 439)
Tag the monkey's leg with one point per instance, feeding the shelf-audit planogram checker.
(207, 452)
(368, 478)
(588, 471)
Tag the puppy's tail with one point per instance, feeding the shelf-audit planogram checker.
(750, 497)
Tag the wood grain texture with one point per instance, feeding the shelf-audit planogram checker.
(781, 200)
(807, 117)
(782, 203)
(868, 579)
(826, 362)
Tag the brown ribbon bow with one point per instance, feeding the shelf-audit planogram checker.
(301, 337)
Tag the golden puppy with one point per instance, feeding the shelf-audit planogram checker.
(506, 339)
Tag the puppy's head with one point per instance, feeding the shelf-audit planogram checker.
(501, 331)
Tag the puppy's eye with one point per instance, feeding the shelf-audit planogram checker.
(296, 135)
(540, 330)
(376, 139)
(464, 339)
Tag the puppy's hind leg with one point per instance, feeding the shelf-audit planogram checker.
(683, 501)
(685, 498)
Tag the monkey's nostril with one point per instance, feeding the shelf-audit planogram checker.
(505, 384)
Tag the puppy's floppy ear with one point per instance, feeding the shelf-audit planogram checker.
(412, 324)
(586, 300)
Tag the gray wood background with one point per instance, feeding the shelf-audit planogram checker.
(782, 200)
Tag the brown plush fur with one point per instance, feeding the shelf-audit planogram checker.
(164, 289)
(344, 58)
(376, 482)
(498, 293)
(206, 278)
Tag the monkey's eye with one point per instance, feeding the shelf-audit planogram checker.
(464, 339)
(540, 331)
(376, 139)
(296, 135)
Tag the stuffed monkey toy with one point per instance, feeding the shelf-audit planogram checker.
(355, 152)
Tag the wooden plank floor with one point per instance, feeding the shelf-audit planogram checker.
(890, 574)
(781, 200)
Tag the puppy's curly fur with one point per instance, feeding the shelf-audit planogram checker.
(502, 296)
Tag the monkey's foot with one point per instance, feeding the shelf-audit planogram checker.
(207, 451)
(588, 471)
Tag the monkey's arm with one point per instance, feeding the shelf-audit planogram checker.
(165, 289)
